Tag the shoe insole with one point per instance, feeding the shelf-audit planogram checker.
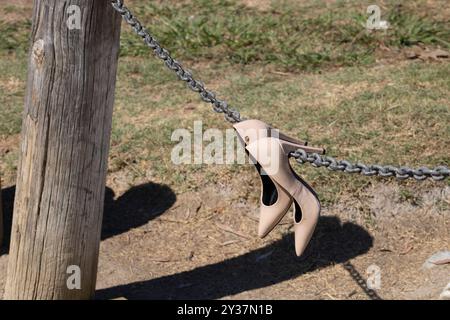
(269, 190)
(298, 215)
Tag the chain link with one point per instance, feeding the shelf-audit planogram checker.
(401, 173)
(233, 116)
(206, 95)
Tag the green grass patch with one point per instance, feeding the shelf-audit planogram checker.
(14, 36)
(286, 36)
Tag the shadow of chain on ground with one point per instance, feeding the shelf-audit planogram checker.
(333, 242)
(134, 208)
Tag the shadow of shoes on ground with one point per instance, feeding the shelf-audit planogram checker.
(134, 208)
(333, 242)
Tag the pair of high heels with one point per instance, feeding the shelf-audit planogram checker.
(281, 187)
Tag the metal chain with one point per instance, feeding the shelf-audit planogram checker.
(402, 173)
(233, 116)
(219, 106)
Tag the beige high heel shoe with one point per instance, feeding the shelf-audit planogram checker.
(273, 156)
(275, 201)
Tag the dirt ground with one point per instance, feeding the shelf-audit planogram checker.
(161, 245)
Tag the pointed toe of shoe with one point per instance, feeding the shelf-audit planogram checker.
(300, 248)
(269, 219)
(303, 235)
(264, 228)
(270, 216)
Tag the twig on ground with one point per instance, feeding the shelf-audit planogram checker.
(230, 230)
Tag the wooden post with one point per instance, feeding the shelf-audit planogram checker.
(65, 141)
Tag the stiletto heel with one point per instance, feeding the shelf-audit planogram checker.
(273, 156)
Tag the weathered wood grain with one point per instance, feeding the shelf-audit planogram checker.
(65, 141)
